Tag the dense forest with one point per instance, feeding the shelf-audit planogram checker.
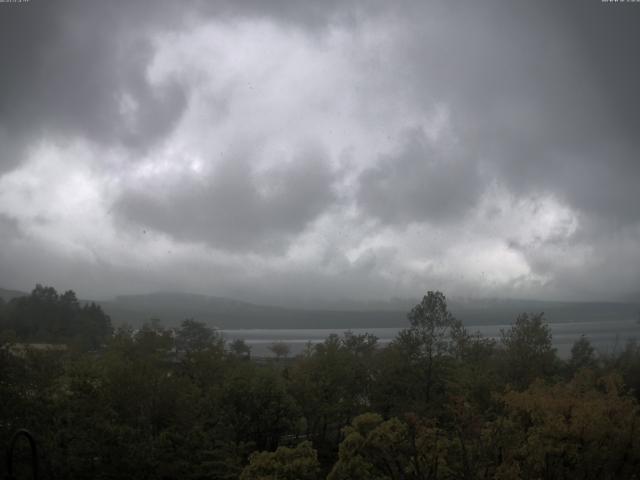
(438, 402)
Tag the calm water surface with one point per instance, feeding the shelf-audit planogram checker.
(606, 337)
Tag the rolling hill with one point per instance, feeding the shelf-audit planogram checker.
(225, 313)
(171, 308)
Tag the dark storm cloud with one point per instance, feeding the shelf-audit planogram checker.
(77, 68)
(606, 183)
(235, 209)
(69, 68)
(419, 184)
(546, 92)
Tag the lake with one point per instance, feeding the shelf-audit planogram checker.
(606, 337)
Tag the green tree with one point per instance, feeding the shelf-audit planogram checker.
(45, 316)
(193, 336)
(528, 351)
(331, 382)
(627, 364)
(582, 355)
(151, 340)
(435, 330)
(280, 349)
(240, 349)
(299, 463)
(473, 375)
(253, 404)
(374, 449)
(415, 370)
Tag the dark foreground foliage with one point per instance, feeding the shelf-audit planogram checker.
(436, 403)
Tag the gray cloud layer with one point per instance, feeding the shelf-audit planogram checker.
(546, 92)
(228, 210)
(420, 184)
(532, 170)
(68, 66)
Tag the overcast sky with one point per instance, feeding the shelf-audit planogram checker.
(283, 150)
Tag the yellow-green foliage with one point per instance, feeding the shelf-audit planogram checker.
(587, 428)
(377, 449)
(299, 463)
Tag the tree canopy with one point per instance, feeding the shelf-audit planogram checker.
(436, 403)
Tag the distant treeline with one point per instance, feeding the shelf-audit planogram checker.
(48, 317)
(438, 402)
(226, 313)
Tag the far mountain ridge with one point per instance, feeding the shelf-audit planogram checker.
(6, 294)
(228, 313)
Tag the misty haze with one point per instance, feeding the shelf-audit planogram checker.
(304, 240)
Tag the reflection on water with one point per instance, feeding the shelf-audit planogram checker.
(606, 337)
